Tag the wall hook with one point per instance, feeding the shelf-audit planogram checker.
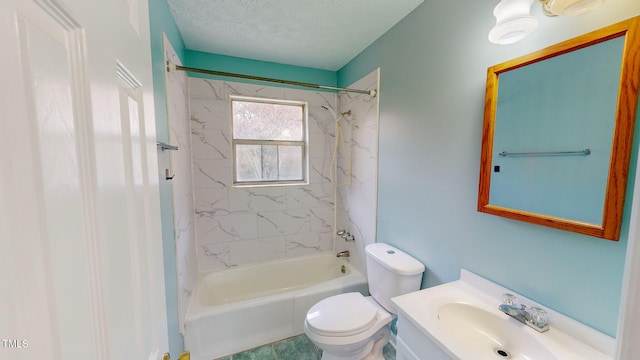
(166, 175)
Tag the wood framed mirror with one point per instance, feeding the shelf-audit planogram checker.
(558, 132)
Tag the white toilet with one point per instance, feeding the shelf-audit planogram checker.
(353, 327)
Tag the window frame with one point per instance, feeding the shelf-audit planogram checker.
(303, 144)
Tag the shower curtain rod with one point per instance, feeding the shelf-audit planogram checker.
(171, 67)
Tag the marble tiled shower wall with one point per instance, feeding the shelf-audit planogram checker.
(177, 87)
(356, 209)
(237, 226)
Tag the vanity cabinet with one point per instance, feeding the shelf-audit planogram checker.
(413, 344)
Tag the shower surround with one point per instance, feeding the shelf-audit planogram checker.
(357, 201)
(238, 226)
(177, 89)
(218, 227)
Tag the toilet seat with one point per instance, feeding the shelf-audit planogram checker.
(341, 315)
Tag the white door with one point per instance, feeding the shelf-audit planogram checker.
(80, 244)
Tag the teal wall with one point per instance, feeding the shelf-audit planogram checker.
(161, 22)
(237, 65)
(433, 73)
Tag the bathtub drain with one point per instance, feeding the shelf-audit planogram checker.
(343, 269)
(503, 354)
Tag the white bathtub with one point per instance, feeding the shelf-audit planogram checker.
(248, 306)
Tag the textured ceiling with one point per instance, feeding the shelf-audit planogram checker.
(321, 34)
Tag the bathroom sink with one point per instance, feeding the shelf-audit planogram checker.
(461, 320)
(489, 335)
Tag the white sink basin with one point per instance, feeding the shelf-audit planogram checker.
(463, 321)
(488, 334)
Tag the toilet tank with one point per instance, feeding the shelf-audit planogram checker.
(390, 273)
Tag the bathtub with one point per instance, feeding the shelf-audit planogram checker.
(248, 306)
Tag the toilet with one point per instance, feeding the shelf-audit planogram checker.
(354, 327)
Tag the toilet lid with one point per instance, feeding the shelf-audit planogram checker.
(341, 315)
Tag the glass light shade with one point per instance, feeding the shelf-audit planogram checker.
(513, 21)
(570, 7)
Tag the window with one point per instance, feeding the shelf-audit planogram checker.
(269, 141)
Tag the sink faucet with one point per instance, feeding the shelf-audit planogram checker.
(533, 317)
(343, 254)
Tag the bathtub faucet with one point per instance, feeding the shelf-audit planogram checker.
(345, 235)
(343, 254)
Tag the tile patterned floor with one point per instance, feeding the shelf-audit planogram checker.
(295, 348)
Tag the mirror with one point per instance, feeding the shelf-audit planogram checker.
(558, 132)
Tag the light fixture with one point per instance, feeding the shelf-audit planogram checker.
(513, 21)
(568, 7)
